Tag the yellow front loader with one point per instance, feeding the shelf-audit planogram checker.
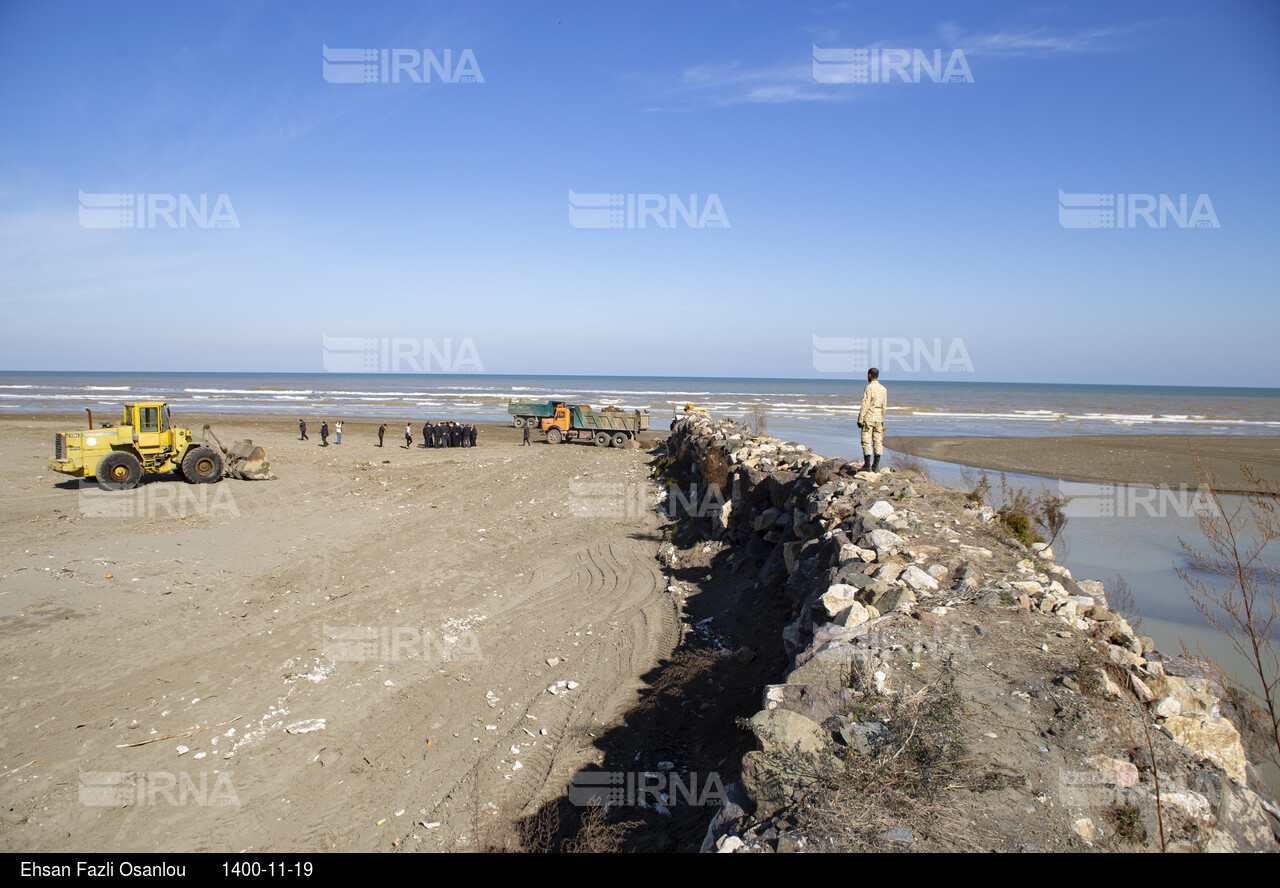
(145, 442)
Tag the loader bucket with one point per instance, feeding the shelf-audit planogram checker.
(248, 461)
(243, 459)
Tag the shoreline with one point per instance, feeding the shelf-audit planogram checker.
(1140, 460)
(916, 617)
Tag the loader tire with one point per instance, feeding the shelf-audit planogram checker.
(118, 470)
(202, 465)
(554, 435)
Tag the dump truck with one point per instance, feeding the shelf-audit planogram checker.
(531, 413)
(610, 427)
(145, 442)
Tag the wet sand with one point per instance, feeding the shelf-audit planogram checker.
(1138, 460)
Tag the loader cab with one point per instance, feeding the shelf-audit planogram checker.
(150, 422)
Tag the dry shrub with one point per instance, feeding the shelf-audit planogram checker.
(978, 483)
(905, 462)
(714, 467)
(596, 835)
(909, 781)
(1244, 607)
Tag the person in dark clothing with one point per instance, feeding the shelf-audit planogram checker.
(382, 430)
(426, 434)
(302, 430)
(525, 442)
(324, 434)
(408, 436)
(472, 432)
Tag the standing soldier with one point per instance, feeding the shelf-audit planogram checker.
(871, 420)
(382, 430)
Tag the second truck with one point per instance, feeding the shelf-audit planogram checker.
(610, 427)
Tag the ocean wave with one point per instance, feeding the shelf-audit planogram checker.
(249, 391)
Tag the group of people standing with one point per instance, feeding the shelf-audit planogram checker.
(434, 434)
(439, 434)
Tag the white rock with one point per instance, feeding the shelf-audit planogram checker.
(729, 844)
(881, 510)
(918, 579)
(1085, 829)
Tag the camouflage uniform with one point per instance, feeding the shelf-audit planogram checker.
(871, 417)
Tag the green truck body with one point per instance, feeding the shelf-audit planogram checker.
(610, 427)
(610, 420)
(531, 413)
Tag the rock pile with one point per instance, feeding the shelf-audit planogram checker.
(855, 553)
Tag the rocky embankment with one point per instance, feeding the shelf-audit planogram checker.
(948, 688)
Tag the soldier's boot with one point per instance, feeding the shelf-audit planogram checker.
(875, 466)
(866, 462)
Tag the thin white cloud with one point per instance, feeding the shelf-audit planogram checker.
(1032, 43)
(732, 83)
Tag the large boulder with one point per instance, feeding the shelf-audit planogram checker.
(1215, 739)
(832, 666)
(918, 580)
(885, 542)
(814, 702)
(793, 753)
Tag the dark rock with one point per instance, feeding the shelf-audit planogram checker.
(865, 738)
(730, 817)
(828, 469)
(898, 836)
(789, 844)
(814, 702)
(781, 485)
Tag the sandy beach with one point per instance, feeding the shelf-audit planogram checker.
(354, 656)
(1142, 460)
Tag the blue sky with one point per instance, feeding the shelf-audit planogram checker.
(440, 210)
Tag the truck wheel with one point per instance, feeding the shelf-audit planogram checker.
(554, 435)
(602, 439)
(620, 439)
(202, 465)
(518, 422)
(118, 470)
